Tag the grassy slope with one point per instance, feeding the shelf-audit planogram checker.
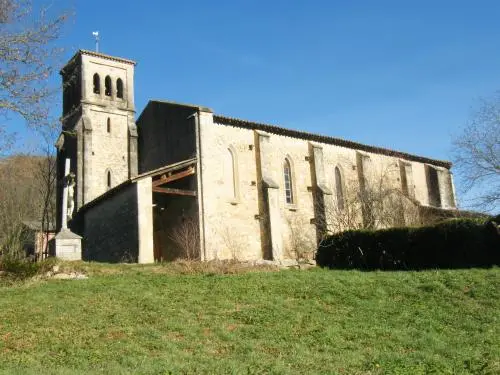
(295, 322)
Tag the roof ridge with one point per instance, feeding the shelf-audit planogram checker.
(172, 102)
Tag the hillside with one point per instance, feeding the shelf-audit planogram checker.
(24, 186)
(154, 320)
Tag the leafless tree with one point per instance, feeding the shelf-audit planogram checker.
(300, 247)
(476, 154)
(6, 141)
(186, 236)
(380, 203)
(28, 57)
(46, 177)
(27, 197)
(231, 241)
(18, 198)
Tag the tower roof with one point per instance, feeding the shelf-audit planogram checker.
(81, 52)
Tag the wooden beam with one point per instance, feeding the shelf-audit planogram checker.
(164, 179)
(191, 193)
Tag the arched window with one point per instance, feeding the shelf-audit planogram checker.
(108, 179)
(108, 125)
(339, 188)
(287, 171)
(232, 173)
(97, 84)
(107, 86)
(119, 88)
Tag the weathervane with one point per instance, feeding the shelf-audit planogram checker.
(96, 35)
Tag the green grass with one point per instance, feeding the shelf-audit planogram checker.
(142, 320)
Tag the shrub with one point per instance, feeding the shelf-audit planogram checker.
(13, 259)
(455, 243)
(23, 268)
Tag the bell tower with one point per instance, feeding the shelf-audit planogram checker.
(99, 134)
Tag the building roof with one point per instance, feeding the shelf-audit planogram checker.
(224, 120)
(274, 129)
(172, 103)
(129, 181)
(165, 169)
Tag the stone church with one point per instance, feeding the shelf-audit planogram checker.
(183, 181)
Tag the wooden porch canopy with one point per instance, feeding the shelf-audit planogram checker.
(170, 173)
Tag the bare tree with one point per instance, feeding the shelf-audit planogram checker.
(476, 154)
(186, 236)
(231, 241)
(301, 246)
(28, 57)
(6, 141)
(27, 198)
(46, 177)
(378, 204)
(18, 197)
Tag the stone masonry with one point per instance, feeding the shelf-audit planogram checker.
(260, 156)
(256, 191)
(99, 132)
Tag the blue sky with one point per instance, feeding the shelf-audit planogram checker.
(397, 74)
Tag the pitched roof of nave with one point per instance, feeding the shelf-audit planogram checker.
(274, 129)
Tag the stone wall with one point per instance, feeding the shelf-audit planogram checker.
(145, 219)
(114, 68)
(166, 135)
(234, 226)
(102, 124)
(111, 120)
(109, 151)
(110, 229)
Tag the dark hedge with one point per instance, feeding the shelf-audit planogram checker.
(456, 243)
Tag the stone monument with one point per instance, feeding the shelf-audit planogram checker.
(67, 245)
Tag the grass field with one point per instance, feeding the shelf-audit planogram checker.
(140, 320)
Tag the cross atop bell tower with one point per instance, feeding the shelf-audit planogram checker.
(99, 134)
